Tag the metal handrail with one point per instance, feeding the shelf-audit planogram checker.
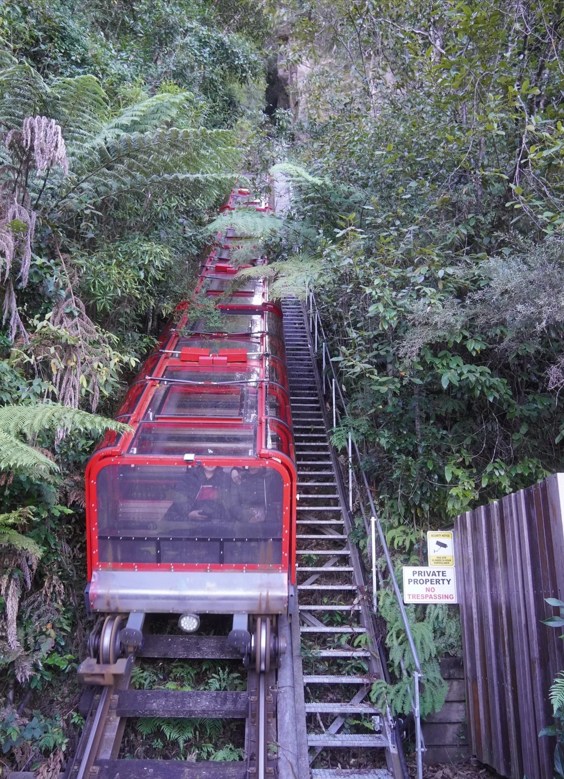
(372, 523)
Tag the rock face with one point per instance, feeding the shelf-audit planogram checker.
(277, 83)
(285, 80)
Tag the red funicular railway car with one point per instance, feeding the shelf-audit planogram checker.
(193, 511)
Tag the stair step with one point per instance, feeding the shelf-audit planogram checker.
(349, 654)
(356, 629)
(325, 569)
(334, 509)
(331, 607)
(350, 773)
(329, 484)
(341, 708)
(320, 522)
(346, 740)
(328, 679)
(326, 587)
(321, 552)
(322, 537)
(323, 496)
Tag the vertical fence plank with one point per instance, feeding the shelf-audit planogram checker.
(510, 557)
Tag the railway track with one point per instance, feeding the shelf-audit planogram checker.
(114, 702)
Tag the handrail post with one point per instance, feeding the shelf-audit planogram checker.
(417, 718)
(350, 472)
(374, 579)
(316, 336)
(323, 347)
(334, 393)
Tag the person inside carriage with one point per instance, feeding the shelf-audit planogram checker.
(254, 494)
(204, 497)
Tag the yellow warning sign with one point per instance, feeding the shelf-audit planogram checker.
(440, 547)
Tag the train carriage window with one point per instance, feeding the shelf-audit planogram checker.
(238, 298)
(229, 322)
(163, 515)
(221, 284)
(131, 400)
(278, 404)
(274, 325)
(277, 372)
(173, 440)
(202, 393)
(275, 347)
(278, 437)
(251, 346)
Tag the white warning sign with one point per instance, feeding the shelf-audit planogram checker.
(427, 584)
(440, 547)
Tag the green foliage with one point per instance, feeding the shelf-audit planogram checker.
(125, 278)
(247, 223)
(43, 733)
(556, 694)
(183, 733)
(435, 631)
(32, 420)
(399, 696)
(11, 537)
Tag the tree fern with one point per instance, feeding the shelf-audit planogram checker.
(399, 696)
(16, 455)
(81, 107)
(6, 57)
(247, 223)
(152, 113)
(29, 421)
(126, 163)
(297, 175)
(22, 93)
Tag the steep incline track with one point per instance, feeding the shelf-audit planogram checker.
(346, 735)
(98, 751)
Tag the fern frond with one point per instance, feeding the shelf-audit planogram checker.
(297, 175)
(30, 420)
(289, 278)
(556, 694)
(434, 691)
(80, 106)
(11, 537)
(7, 59)
(246, 223)
(15, 455)
(131, 162)
(149, 114)
(22, 94)
(33, 419)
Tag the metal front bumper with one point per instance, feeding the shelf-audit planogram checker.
(175, 592)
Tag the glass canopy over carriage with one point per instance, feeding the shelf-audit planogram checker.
(194, 507)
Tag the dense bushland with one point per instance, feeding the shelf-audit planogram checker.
(121, 128)
(428, 193)
(431, 188)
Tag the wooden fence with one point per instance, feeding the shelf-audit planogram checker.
(509, 558)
